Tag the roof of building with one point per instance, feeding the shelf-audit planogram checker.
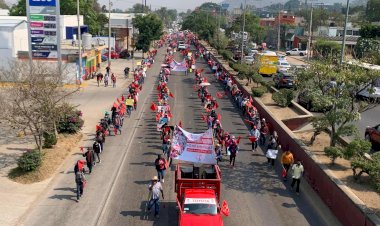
(6, 21)
(123, 16)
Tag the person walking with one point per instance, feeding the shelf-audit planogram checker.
(287, 160)
(160, 164)
(80, 179)
(155, 188)
(97, 149)
(100, 138)
(106, 77)
(233, 148)
(264, 131)
(297, 174)
(255, 136)
(90, 159)
(113, 79)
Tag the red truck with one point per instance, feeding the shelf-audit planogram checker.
(198, 195)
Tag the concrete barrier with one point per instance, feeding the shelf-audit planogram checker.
(343, 203)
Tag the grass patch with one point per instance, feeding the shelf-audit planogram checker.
(52, 159)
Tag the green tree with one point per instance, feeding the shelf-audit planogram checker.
(333, 88)
(150, 28)
(320, 17)
(252, 26)
(90, 9)
(327, 49)
(139, 8)
(202, 23)
(372, 10)
(166, 15)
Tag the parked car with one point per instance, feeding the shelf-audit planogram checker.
(282, 58)
(283, 79)
(114, 55)
(371, 91)
(124, 54)
(249, 59)
(283, 66)
(296, 52)
(372, 134)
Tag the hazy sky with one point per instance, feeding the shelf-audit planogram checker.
(180, 5)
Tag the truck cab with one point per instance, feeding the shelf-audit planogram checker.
(198, 195)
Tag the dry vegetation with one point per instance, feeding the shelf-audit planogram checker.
(52, 159)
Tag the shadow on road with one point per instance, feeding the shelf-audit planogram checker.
(64, 197)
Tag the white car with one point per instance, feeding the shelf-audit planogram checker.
(249, 59)
(181, 46)
(282, 58)
(371, 92)
(283, 66)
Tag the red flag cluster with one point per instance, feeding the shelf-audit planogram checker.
(171, 95)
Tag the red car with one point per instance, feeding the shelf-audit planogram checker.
(114, 55)
(372, 134)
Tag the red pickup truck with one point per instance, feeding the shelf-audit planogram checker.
(198, 195)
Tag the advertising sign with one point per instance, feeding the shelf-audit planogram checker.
(43, 29)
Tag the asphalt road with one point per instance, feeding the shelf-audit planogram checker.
(117, 190)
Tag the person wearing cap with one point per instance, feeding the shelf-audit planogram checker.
(155, 188)
(297, 174)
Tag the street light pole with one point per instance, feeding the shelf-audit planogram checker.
(109, 34)
(79, 46)
(344, 34)
(279, 29)
(242, 35)
(308, 53)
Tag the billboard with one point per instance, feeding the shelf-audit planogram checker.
(43, 28)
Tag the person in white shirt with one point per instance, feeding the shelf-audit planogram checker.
(297, 174)
(155, 189)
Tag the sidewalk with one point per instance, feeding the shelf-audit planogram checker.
(16, 199)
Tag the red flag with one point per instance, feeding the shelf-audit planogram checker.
(153, 107)
(216, 105)
(170, 115)
(252, 138)
(205, 79)
(219, 95)
(204, 118)
(122, 98)
(195, 88)
(219, 117)
(238, 140)
(171, 95)
(180, 124)
(97, 128)
(283, 174)
(225, 210)
(115, 105)
(250, 99)
(81, 149)
(157, 117)
(158, 88)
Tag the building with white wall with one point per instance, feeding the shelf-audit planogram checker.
(14, 38)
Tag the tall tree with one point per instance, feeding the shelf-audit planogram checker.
(373, 10)
(202, 23)
(150, 28)
(90, 9)
(139, 8)
(166, 15)
(252, 26)
(333, 88)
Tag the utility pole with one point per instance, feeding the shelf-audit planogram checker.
(79, 46)
(308, 53)
(344, 34)
(109, 33)
(242, 35)
(220, 15)
(279, 29)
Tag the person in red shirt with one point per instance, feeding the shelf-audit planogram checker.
(160, 164)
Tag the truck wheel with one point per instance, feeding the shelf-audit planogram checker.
(301, 54)
(367, 137)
